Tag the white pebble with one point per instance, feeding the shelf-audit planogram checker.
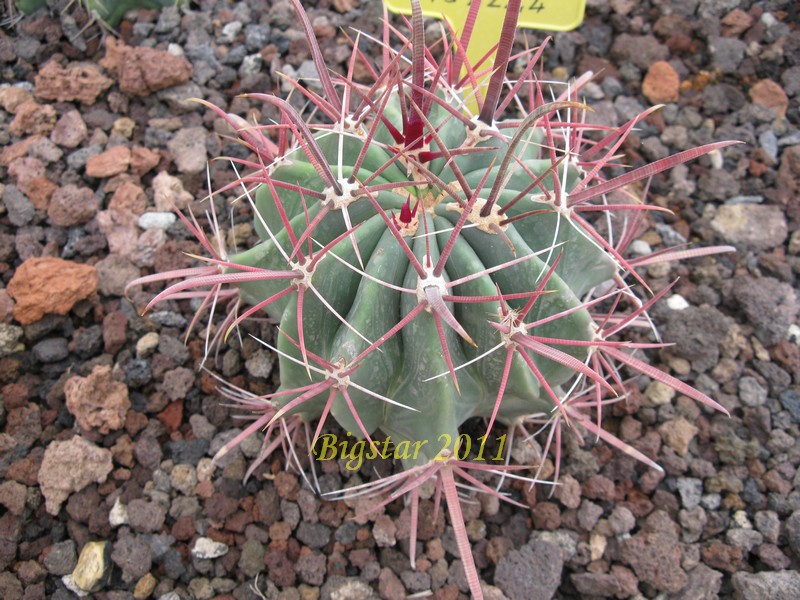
(207, 548)
(157, 220)
(677, 302)
(118, 515)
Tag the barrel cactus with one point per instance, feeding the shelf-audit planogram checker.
(429, 251)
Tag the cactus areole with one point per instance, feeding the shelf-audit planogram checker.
(427, 265)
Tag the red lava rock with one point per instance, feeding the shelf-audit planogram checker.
(788, 182)
(109, 163)
(114, 336)
(70, 130)
(6, 307)
(72, 205)
(120, 227)
(143, 160)
(735, 23)
(15, 395)
(722, 557)
(30, 177)
(26, 470)
(204, 490)
(13, 496)
(135, 422)
(183, 529)
(662, 83)
(129, 196)
(97, 401)
(142, 71)
(768, 93)
(33, 118)
(598, 487)
(17, 150)
(83, 83)
(10, 530)
(11, 98)
(280, 569)
(287, 485)
(655, 554)
(70, 466)
(24, 424)
(42, 286)
(172, 416)
(546, 515)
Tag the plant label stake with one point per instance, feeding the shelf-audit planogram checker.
(555, 15)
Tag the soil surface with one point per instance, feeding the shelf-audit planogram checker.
(107, 424)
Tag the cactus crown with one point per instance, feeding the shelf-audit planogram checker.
(427, 264)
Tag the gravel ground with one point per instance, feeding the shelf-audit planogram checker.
(96, 141)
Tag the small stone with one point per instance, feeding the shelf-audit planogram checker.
(661, 84)
(157, 220)
(621, 520)
(69, 466)
(168, 193)
(70, 130)
(678, 434)
(9, 338)
(32, 118)
(677, 302)
(129, 197)
(531, 573)
(13, 496)
(771, 95)
(142, 71)
(655, 554)
(751, 226)
(144, 160)
(184, 479)
(260, 363)
(147, 344)
(384, 531)
(347, 588)
(93, 568)
(188, 149)
(118, 515)
(133, 556)
(751, 393)
(792, 527)
(767, 585)
(124, 127)
(145, 587)
(658, 393)
(691, 491)
(109, 163)
(51, 350)
(206, 548)
(61, 558)
(19, 208)
(98, 401)
(114, 273)
(146, 516)
(83, 83)
(72, 205)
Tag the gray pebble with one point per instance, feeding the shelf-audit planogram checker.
(19, 208)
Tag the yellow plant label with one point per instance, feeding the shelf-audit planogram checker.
(556, 15)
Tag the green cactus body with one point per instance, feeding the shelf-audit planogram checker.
(427, 266)
(410, 368)
(109, 12)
